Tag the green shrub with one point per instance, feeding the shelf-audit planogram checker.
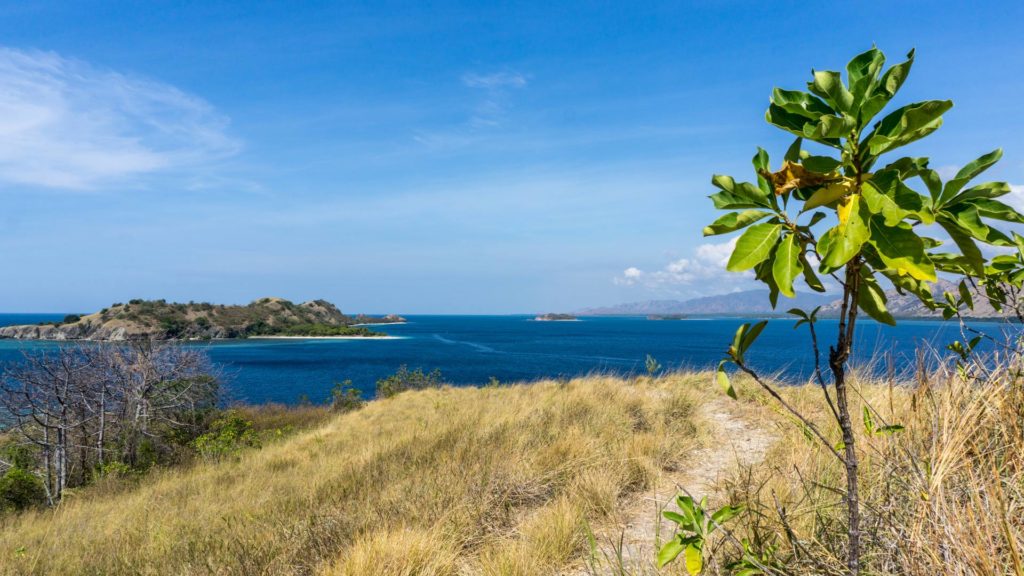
(20, 489)
(405, 379)
(345, 397)
(228, 434)
(71, 318)
(19, 456)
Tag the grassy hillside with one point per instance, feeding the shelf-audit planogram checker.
(567, 478)
(498, 480)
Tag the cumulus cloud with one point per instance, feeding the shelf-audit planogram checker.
(1016, 197)
(704, 271)
(67, 124)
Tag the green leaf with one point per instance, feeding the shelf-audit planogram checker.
(763, 273)
(871, 299)
(800, 104)
(802, 125)
(726, 513)
(734, 221)
(967, 245)
(886, 194)
(761, 164)
(815, 218)
(965, 294)
(737, 195)
(968, 173)
(869, 423)
(674, 517)
(997, 210)
(751, 334)
(862, 72)
(901, 249)
(907, 124)
(669, 552)
(723, 381)
(793, 152)
(845, 240)
(787, 265)
(969, 219)
(886, 88)
(812, 280)
(933, 182)
(821, 164)
(753, 246)
(828, 85)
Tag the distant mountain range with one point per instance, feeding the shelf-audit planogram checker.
(908, 306)
(735, 303)
(755, 303)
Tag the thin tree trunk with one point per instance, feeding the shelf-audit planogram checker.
(102, 426)
(837, 362)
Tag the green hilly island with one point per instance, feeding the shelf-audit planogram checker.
(162, 320)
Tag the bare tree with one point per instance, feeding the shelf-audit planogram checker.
(83, 405)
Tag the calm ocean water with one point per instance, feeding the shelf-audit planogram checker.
(472, 349)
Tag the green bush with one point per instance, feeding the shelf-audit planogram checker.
(19, 456)
(71, 318)
(20, 489)
(228, 434)
(405, 379)
(345, 397)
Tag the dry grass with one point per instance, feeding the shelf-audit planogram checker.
(943, 496)
(451, 481)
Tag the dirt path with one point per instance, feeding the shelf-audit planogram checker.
(628, 546)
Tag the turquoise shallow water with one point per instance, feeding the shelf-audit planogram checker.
(471, 349)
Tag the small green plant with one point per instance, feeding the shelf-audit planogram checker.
(345, 397)
(228, 434)
(405, 379)
(693, 527)
(651, 365)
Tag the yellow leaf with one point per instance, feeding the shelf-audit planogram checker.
(694, 557)
(827, 195)
(846, 207)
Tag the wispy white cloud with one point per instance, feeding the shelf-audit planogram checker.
(704, 271)
(495, 81)
(490, 111)
(67, 124)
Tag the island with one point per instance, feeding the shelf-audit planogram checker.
(162, 320)
(667, 317)
(555, 318)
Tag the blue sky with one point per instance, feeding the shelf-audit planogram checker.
(420, 157)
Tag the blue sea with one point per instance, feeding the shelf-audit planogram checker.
(473, 349)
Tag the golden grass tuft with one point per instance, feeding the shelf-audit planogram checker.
(943, 496)
(496, 480)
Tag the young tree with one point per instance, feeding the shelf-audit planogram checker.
(843, 212)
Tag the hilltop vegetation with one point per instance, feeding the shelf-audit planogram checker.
(162, 320)
(494, 480)
(545, 478)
